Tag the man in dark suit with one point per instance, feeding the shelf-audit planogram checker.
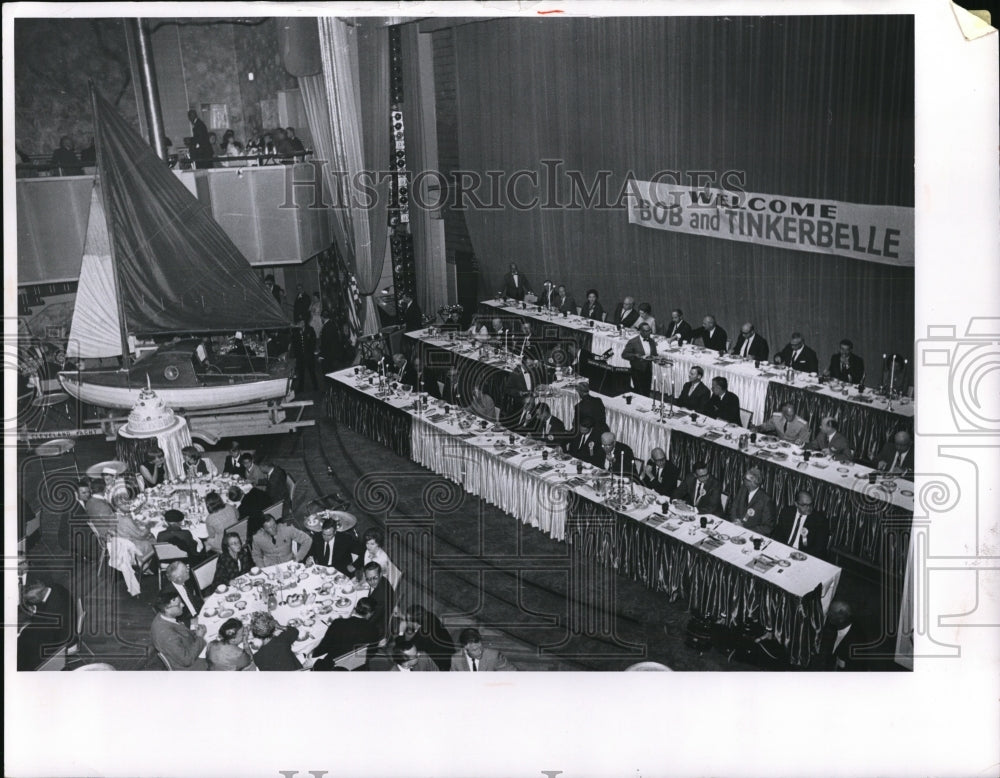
(174, 533)
(639, 351)
(171, 636)
(452, 389)
(701, 490)
(518, 387)
(515, 283)
(678, 329)
(300, 307)
(659, 473)
(277, 482)
(414, 375)
(712, 336)
(549, 298)
(798, 355)
(840, 637)
(179, 578)
(201, 145)
(616, 457)
(409, 311)
(845, 365)
(254, 501)
(382, 595)
(339, 550)
(694, 394)
(751, 344)
(346, 635)
(524, 423)
(625, 313)
(585, 443)
(51, 615)
(232, 464)
(723, 404)
(751, 506)
(831, 441)
(896, 456)
(802, 528)
(591, 406)
(550, 430)
(567, 303)
(330, 349)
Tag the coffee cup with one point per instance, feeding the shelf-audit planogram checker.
(703, 521)
(756, 543)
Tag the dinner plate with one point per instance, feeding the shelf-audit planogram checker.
(225, 613)
(798, 556)
(342, 602)
(221, 588)
(209, 612)
(240, 605)
(843, 470)
(739, 540)
(232, 597)
(906, 492)
(784, 563)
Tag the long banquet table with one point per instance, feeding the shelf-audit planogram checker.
(551, 494)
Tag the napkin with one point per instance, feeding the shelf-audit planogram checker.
(762, 563)
(540, 469)
(507, 454)
(710, 543)
(711, 436)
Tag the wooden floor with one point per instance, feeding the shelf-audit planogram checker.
(470, 563)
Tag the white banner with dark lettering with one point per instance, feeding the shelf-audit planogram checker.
(876, 233)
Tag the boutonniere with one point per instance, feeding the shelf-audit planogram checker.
(750, 513)
(591, 447)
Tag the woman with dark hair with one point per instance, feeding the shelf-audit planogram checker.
(220, 516)
(229, 651)
(234, 560)
(592, 309)
(153, 469)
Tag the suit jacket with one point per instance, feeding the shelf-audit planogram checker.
(510, 289)
(492, 661)
(594, 408)
(254, 501)
(177, 643)
(413, 317)
(300, 308)
(711, 498)
(255, 475)
(517, 423)
(758, 348)
(586, 451)
(550, 299)
(277, 654)
(681, 328)
(345, 635)
(269, 551)
(837, 446)
(695, 399)
(817, 535)
(568, 304)
(806, 361)
(854, 373)
(516, 388)
(841, 659)
(329, 344)
(630, 318)
(277, 485)
(556, 435)
(232, 466)
(764, 510)
(191, 589)
(716, 341)
(666, 483)
(595, 311)
(622, 459)
(725, 407)
(181, 538)
(635, 354)
(888, 452)
(797, 431)
(52, 626)
(100, 512)
(385, 600)
(345, 547)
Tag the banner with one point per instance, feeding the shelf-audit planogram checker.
(875, 233)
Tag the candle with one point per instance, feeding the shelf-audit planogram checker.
(892, 372)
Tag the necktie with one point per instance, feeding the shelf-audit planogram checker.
(475, 665)
(897, 461)
(795, 355)
(328, 553)
(746, 347)
(697, 492)
(786, 425)
(795, 530)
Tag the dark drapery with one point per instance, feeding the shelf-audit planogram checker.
(803, 106)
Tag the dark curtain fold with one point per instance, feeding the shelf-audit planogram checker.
(801, 106)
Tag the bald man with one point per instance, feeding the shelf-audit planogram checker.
(750, 344)
(616, 457)
(659, 473)
(896, 456)
(625, 313)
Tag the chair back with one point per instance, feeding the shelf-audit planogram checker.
(352, 660)
(240, 528)
(166, 662)
(204, 573)
(168, 552)
(290, 482)
(55, 662)
(746, 417)
(277, 511)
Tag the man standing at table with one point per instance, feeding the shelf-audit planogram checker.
(273, 543)
(678, 329)
(701, 490)
(591, 406)
(797, 355)
(515, 283)
(713, 337)
(475, 657)
(639, 352)
(201, 145)
(178, 644)
(831, 442)
(752, 507)
(723, 404)
(659, 473)
(616, 457)
(410, 313)
(625, 313)
(845, 365)
(184, 586)
(896, 456)
(802, 528)
(751, 344)
(694, 394)
(787, 426)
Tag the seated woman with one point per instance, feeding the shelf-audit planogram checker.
(153, 469)
(128, 528)
(229, 651)
(220, 516)
(234, 560)
(276, 652)
(482, 404)
(373, 540)
(194, 465)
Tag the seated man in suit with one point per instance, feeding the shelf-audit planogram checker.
(180, 537)
(787, 426)
(525, 422)
(678, 330)
(585, 442)
(339, 550)
(277, 482)
(550, 430)
(518, 387)
(251, 470)
(549, 298)
(232, 465)
(659, 473)
(845, 365)
(382, 594)
(752, 507)
(413, 374)
(274, 544)
(802, 528)
(712, 336)
(625, 313)
(476, 658)
(591, 406)
(723, 404)
(179, 644)
(276, 654)
(451, 387)
(413, 318)
(515, 283)
(567, 303)
(360, 630)
(399, 365)
(182, 582)
(615, 457)
(701, 490)
(831, 442)
(404, 656)
(252, 503)
(694, 394)
(638, 352)
(751, 344)
(896, 456)
(797, 355)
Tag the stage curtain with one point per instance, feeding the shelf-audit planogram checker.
(802, 106)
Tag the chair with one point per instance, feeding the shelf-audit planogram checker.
(204, 573)
(166, 553)
(746, 417)
(352, 660)
(276, 511)
(55, 662)
(102, 542)
(165, 661)
(240, 528)
(290, 483)
(81, 617)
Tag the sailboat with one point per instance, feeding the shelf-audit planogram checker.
(157, 265)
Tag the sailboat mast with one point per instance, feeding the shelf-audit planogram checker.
(98, 143)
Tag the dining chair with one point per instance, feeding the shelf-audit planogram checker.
(166, 662)
(277, 511)
(204, 573)
(746, 417)
(352, 660)
(102, 543)
(55, 662)
(240, 528)
(166, 553)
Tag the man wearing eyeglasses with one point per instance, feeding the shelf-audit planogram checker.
(407, 658)
(752, 507)
(382, 595)
(803, 528)
(701, 490)
(660, 474)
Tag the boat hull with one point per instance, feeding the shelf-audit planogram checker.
(187, 398)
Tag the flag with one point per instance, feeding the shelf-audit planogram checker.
(353, 303)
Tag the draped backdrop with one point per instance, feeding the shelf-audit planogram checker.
(813, 107)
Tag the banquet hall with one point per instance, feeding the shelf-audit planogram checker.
(357, 344)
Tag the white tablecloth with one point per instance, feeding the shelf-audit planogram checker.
(187, 497)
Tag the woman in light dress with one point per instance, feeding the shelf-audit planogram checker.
(374, 540)
(229, 651)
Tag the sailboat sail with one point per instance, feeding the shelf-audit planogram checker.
(94, 332)
(177, 270)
